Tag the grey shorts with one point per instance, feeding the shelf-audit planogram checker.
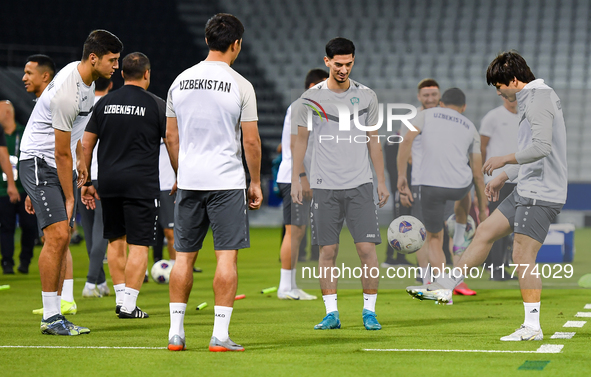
(434, 200)
(417, 209)
(529, 216)
(43, 186)
(166, 211)
(225, 210)
(293, 213)
(331, 207)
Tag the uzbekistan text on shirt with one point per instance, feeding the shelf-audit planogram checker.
(125, 109)
(205, 84)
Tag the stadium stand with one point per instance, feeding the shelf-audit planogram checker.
(398, 43)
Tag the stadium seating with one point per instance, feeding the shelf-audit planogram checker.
(400, 42)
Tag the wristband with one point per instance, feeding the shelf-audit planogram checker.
(87, 183)
(302, 174)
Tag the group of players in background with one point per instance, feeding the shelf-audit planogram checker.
(210, 118)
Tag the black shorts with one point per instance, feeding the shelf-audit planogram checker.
(434, 201)
(134, 218)
(331, 207)
(43, 186)
(225, 210)
(293, 213)
(166, 212)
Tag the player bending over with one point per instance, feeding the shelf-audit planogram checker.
(451, 162)
(50, 151)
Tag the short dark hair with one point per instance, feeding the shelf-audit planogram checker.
(315, 76)
(507, 66)
(454, 97)
(427, 83)
(222, 30)
(43, 61)
(339, 46)
(101, 84)
(101, 42)
(134, 66)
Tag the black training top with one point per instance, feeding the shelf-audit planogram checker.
(129, 123)
(2, 139)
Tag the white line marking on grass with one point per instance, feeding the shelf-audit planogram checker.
(90, 347)
(583, 314)
(563, 335)
(545, 348)
(588, 306)
(574, 324)
(550, 348)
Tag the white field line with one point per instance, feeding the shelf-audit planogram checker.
(574, 324)
(583, 314)
(587, 306)
(545, 348)
(89, 347)
(563, 335)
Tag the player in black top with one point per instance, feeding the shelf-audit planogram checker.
(129, 123)
(6, 168)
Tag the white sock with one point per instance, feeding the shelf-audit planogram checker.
(369, 302)
(426, 275)
(294, 274)
(330, 301)
(130, 299)
(460, 230)
(104, 284)
(90, 286)
(222, 322)
(119, 293)
(285, 282)
(532, 314)
(449, 281)
(177, 318)
(51, 304)
(68, 290)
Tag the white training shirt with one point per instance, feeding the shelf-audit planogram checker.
(448, 139)
(416, 153)
(542, 171)
(340, 159)
(501, 126)
(284, 172)
(209, 101)
(167, 176)
(66, 104)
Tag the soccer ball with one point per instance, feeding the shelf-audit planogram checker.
(161, 271)
(470, 227)
(406, 234)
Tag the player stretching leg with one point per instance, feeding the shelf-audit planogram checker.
(295, 216)
(341, 177)
(207, 106)
(50, 143)
(541, 172)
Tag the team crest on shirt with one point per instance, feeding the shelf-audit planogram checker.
(354, 100)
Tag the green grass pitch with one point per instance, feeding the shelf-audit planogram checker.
(279, 336)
